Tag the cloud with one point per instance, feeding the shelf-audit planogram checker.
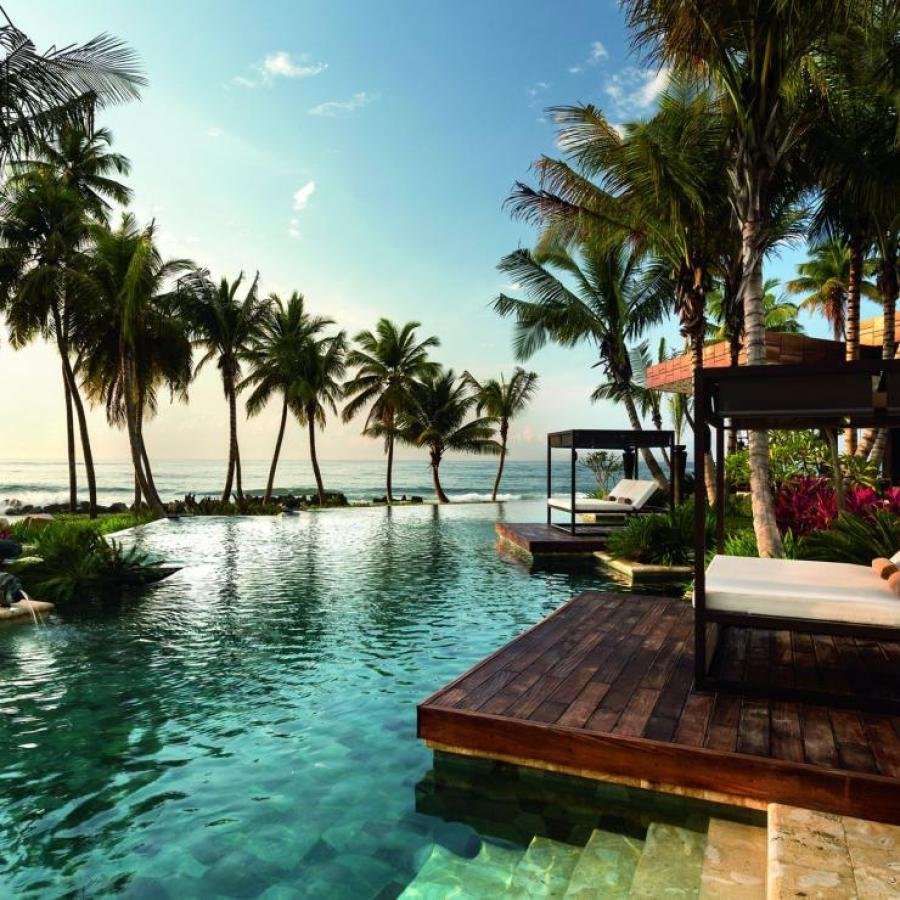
(632, 90)
(332, 108)
(214, 132)
(538, 88)
(302, 195)
(294, 228)
(280, 64)
(597, 52)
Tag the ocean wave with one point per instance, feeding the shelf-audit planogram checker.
(476, 498)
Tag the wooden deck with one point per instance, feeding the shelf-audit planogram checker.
(603, 687)
(540, 539)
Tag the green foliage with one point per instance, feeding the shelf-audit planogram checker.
(27, 533)
(665, 538)
(798, 454)
(71, 562)
(605, 467)
(856, 539)
(743, 543)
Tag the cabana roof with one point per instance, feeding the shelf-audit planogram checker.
(865, 393)
(608, 439)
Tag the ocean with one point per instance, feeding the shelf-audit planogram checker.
(464, 480)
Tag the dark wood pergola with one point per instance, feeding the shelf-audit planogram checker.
(860, 394)
(628, 441)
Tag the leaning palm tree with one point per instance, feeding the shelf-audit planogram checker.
(225, 328)
(606, 307)
(130, 334)
(319, 388)
(824, 281)
(276, 361)
(387, 361)
(757, 55)
(40, 92)
(435, 417)
(501, 401)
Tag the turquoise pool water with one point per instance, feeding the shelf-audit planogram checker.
(247, 728)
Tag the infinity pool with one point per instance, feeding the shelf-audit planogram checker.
(247, 728)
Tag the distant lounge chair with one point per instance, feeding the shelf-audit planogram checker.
(629, 497)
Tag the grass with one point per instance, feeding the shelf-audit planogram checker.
(106, 523)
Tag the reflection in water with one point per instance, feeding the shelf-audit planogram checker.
(249, 723)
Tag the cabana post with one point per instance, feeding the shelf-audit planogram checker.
(786, 595)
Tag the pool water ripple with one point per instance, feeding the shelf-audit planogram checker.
(247, 727)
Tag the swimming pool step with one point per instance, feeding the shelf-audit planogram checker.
(545, 869)
(734, 863)
(605, 867)
(444, 874)
(671, 864)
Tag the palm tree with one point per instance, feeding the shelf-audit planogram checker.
(226, 328)
(39, 92)
(779, 313)
(824, 279)
(606, 308)
(130, 334)
(319, 388)
(757, 55)
(43, 239)
(501, 401)
(276, 361)
(386, 362)
(81, 162)
(434, 416)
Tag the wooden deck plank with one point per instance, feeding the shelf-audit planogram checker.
(540, 539)
(605, 685)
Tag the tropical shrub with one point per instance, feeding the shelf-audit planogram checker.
(606, 467)
(856, 539)
(743, 543)
(664, 538)
(69, 562)
(805, 505)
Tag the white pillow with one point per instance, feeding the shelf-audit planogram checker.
(895, 559)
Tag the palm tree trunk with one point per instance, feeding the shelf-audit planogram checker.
(137, 493)
(313, 458)
(87, 455)
(270, 484)
(238, 484)
(768, 538)
(500, 464)
(389, 496)
(436, 479)
(649, 458)
(232, 431)
(134, 440)
(874, 440)
(145, 459)
(854, 280)
(70, 447)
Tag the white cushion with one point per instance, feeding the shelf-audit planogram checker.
(587, 504)
(800, 589)
(895, 559)
(638, 491)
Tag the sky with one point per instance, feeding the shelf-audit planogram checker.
(359, 153)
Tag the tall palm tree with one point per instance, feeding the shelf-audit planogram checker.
(779, 313)
(276, 361)
(757, 55)
(607, 308)
(319, 389)
(39, 92)
(824, 280)
(225, 328)
(43, 239)
(435, 416)
(130, 334)
(501, 401)
(80, 161)
(387, 361)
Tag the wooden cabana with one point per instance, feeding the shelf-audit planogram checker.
(795, 596)
(629, 442)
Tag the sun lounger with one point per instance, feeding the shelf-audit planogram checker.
(610, 514)
(803, 590)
